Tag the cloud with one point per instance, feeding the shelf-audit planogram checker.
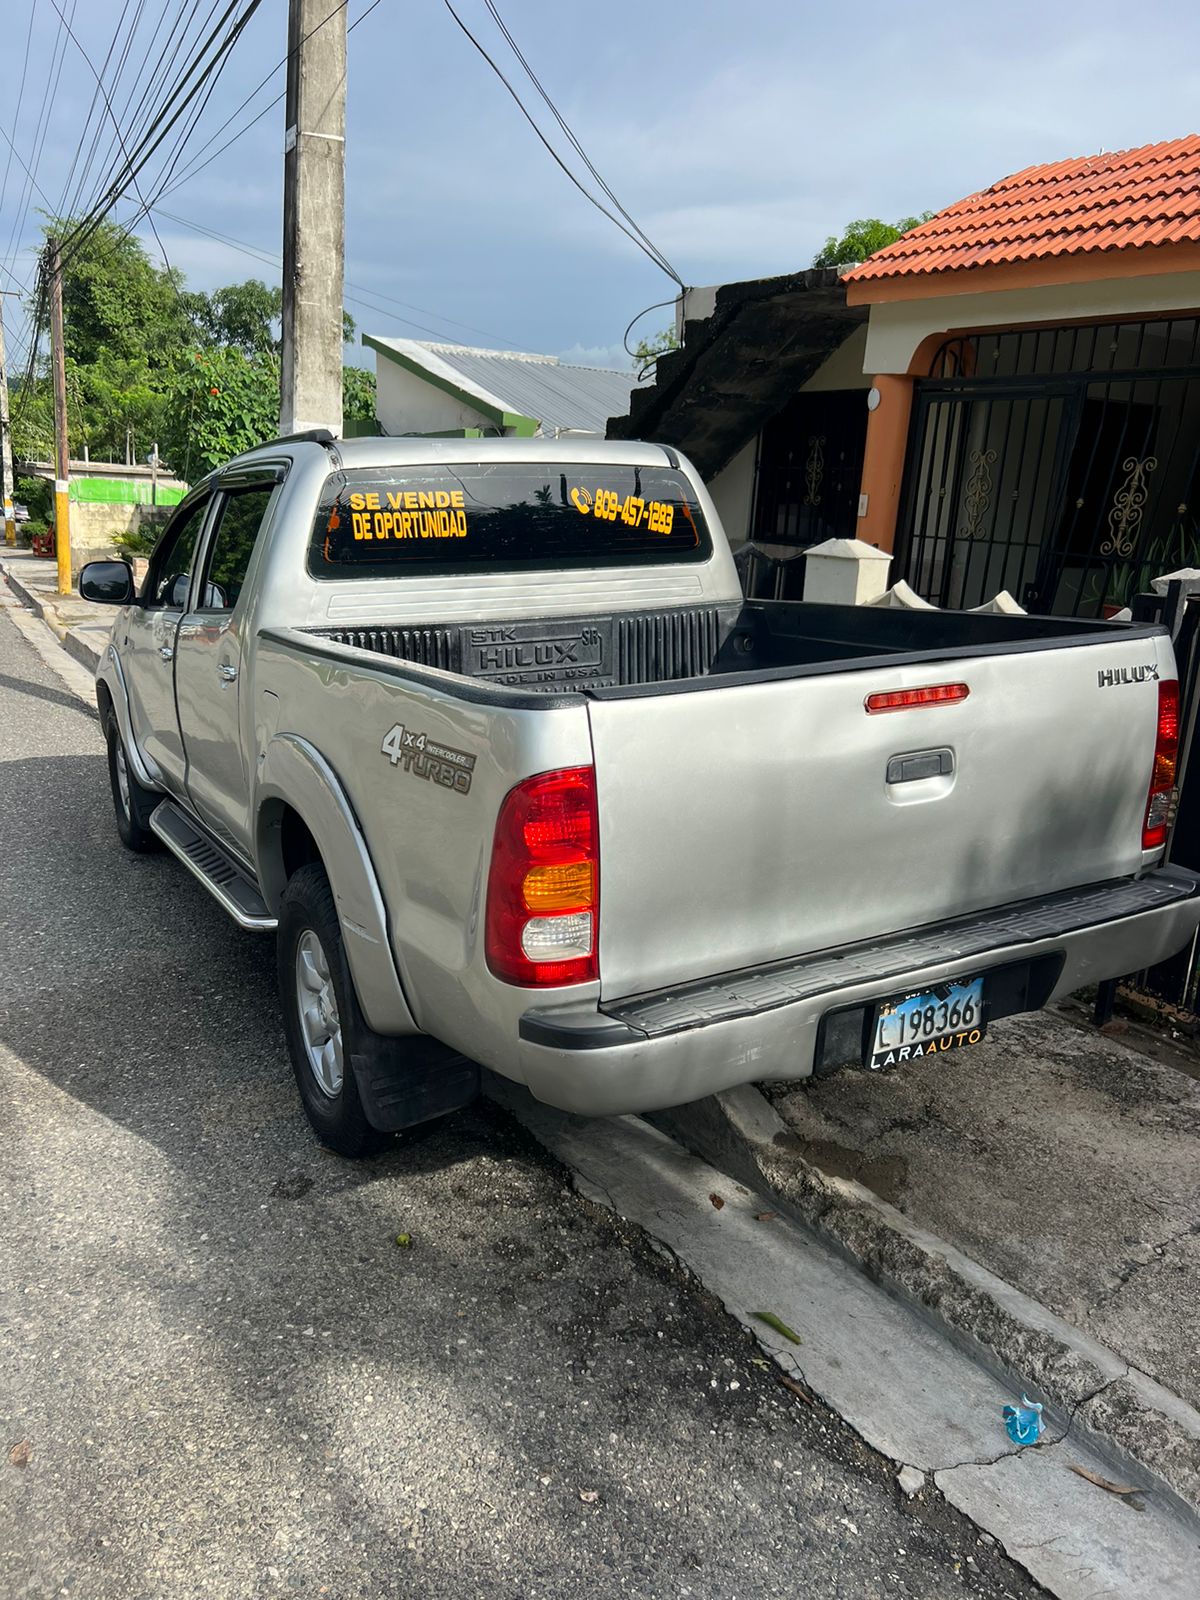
(613, 356)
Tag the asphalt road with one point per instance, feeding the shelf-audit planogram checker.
(229, 1380)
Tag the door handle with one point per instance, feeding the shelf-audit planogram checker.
(167, 652)
(226, 672)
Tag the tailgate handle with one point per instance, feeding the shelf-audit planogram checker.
(920, 764)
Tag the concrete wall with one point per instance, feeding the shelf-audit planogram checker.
(733, 493)
(897, 327)
(94, 525)
(845, 368)
(405, 403)
(733, 487)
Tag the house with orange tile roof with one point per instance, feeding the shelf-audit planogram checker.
(1013, 388)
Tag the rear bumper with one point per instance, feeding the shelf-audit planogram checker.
(678, 1045)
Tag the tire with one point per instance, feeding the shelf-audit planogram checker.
(325, 1029)
(131, 802)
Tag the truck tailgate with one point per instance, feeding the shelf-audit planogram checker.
(749, 822)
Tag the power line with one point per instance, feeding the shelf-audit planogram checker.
(162, 123)
(655, 252)
(101, 90)
(269, 260)
(17, 112)
(42, 124)
(646, 249)
(197, 165)
(87, 121)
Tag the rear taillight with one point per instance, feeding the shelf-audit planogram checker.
(1161, 800)
(543, 894)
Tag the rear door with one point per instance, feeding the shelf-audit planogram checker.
(148, 638)
(749, 823)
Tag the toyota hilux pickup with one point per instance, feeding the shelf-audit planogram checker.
(484, 733)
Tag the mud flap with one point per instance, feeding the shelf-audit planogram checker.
(414, 1082)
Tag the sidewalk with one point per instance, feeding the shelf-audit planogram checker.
(1063, 1161)
(1037, 1196)
(82, 628)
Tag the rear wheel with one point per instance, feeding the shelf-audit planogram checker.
(324, 1025)
(131, 802)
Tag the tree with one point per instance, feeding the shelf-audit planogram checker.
(244, 316)
(862, 238)
(647, 351)
(219, 403)
(149, 360)
(358, 394)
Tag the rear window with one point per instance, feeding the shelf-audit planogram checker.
(510, 517)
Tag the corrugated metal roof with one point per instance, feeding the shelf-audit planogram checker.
(1125, 199)
(559, 397)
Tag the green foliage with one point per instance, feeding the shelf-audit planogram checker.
(243, 315)
(137, 541)
(218, 403)
(358, 394)
(862, 238)
(150, 361)
(37, 496)
(647, 351)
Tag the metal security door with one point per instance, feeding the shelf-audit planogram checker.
(982, 491)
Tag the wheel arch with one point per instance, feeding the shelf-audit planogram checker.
(110, 688)
(302, 814)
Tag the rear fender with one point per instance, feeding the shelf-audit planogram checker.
(294, 774)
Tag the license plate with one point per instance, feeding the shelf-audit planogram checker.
(908, 1027)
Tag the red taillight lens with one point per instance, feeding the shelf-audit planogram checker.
(543, 894)
(1161, 799)
(933, 694)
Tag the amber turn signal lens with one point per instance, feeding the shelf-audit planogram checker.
(567, 886)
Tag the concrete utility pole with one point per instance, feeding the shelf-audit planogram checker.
(6, 459)
(314, 197)
(62, 466)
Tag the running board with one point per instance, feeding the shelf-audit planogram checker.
(224, 879)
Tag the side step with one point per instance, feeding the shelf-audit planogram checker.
(224, 879)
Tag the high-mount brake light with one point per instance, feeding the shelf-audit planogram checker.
(543, 893)
(1160, 803)
(933, 694)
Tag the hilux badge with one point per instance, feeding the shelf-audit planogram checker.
(1110, 677)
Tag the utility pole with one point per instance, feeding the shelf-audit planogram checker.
(314, 217)
(62, 465)
(6, 457)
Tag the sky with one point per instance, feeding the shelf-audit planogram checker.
(739, 134)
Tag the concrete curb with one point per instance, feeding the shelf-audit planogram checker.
(29, 596)
(1141, 1427)
(75, 641)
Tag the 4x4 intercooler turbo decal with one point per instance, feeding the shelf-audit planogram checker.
(424, 757)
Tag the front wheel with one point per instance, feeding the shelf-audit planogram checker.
(324, 1025)
(131, 802)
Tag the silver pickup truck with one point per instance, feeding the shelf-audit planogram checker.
(485, 734)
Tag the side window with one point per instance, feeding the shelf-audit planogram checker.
(170, 571)
(240, 519)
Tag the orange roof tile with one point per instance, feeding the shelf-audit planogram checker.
(1126, 199)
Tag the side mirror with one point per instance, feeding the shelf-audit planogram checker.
(108, 582)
